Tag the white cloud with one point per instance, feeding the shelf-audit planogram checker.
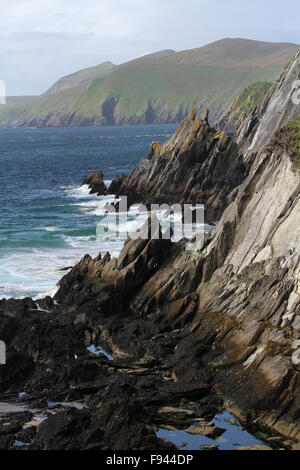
(101, 17)
(41, 40)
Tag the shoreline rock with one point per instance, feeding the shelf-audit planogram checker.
(198, 165)
(96, 184)
(188, 330)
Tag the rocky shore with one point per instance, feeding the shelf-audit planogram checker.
(191, 333)
(198, 165)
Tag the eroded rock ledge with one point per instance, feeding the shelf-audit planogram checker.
(96, 184)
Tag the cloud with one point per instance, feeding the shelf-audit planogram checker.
(42, 40)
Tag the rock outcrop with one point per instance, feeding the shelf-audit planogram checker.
(75, 400)
(96, 183)
(198, 165)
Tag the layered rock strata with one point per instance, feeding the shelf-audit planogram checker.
(198, 165)
(198, 330)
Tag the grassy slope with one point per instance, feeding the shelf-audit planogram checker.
(168, 82)
(172, 86)
(12, 100)
(82, 76)
(61, 102)
(232, 52)
(167, 87)
(243, 104)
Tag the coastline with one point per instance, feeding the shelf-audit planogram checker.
(192, 332)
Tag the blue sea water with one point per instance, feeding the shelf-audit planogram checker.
(234, 436)
(47, 220)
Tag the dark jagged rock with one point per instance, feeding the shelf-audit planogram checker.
(198, 165)
(11, 429)
(96, 280)
(120, 424)
(96, 184)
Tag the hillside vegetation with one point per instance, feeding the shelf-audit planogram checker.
(83, 76)
(294, 126)
(241, 107)
(158, 88)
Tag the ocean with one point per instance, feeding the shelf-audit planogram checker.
(47, 219)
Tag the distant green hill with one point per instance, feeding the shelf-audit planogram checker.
(161, 87)
(12, 100)
(81, 77)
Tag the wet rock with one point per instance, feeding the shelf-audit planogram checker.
(231, 421)
(96, 184)
(11, 428)
(118, 424)
(6, 442)
(254, 448)
(205, 429)
(62, 431)
(211, 448)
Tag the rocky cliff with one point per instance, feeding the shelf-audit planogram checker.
(192, 331)
(198, 165)
(278, 108)
(237, 301)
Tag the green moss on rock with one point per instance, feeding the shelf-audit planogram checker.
(242, 106)
(294, 126)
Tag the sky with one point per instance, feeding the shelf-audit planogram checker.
(43, 40)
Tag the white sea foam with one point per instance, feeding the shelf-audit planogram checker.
(48, 229)
(35, 272)
(78, 191)
(95, 206)
(128, 226)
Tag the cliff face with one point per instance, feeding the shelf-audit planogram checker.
(277, 109)
(197, 165)
(237, 301)
(250, 282)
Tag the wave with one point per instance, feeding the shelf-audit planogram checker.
(35, 273)
(35, 265)
(77, 191)
(48, 229)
